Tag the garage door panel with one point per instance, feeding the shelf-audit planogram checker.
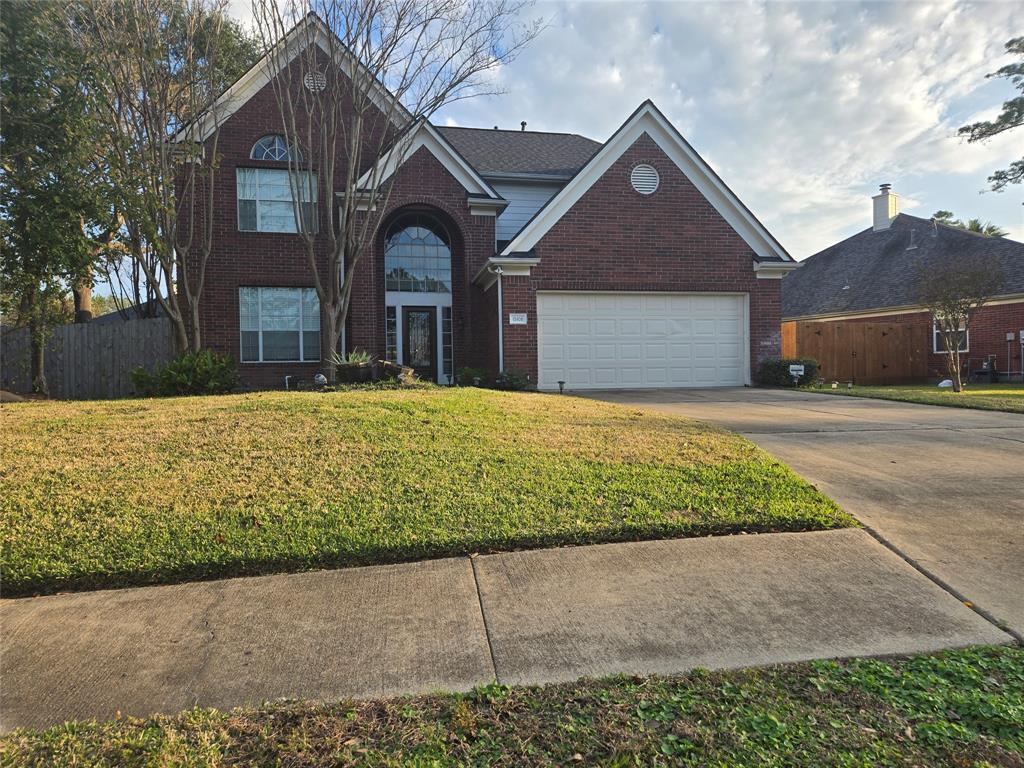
(641, 340)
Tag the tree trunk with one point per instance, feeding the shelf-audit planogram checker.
(180, 336)
(82, 290)
(38, 358)
(330, 335)
(953, 362)
(197, 343)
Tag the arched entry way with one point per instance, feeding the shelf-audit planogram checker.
(418, 293)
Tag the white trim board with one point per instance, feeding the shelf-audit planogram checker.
(649, 120)
(268, 67)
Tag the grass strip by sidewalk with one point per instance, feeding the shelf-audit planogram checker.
(96, 494)
(959, 708)
(988, 397)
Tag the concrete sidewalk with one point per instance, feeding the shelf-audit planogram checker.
(941, 484)
(523, 617)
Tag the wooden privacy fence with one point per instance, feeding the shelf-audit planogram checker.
(861, 352)
(88, 361)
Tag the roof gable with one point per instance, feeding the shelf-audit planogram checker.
(426, 136)
(311, 27)
(647, 119)
(872, 271)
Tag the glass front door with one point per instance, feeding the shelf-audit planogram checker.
(419, 337)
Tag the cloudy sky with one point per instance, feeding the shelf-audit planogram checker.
(803, 108)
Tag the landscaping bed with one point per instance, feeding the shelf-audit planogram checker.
(959, 708)
(989, 397)
(143, 491)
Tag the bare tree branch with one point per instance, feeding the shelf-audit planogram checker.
(377, 69)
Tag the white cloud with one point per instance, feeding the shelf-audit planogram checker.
(803, 108)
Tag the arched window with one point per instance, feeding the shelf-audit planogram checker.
(417, 256)
(274, 147)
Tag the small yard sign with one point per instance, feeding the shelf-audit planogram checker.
(517, 318)
(796, 370)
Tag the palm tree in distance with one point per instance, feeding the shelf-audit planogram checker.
(986, 228)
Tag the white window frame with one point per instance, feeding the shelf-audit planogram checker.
(259, 325)
(315, 201)
(280, 142)
(935, 338)
(440, 302)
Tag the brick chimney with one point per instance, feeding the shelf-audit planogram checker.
(886, 206)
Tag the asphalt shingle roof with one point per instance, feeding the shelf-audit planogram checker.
(527, 152)
(878, 270)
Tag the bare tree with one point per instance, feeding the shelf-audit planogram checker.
(952, 292)
(358, 79)
(158, 65)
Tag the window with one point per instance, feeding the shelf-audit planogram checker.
(265, 200)
(279, 324)
(939, 343)
(274, 147)
(417, 256)
(446, 342)
(391, 335)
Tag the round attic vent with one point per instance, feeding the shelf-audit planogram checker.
(315, 81)
(644, 179)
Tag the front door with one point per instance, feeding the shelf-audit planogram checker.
(419, 341)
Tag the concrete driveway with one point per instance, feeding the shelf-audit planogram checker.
(944, 486)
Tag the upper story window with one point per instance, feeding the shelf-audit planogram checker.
(265, 199)
(417, 256)
(274, 147)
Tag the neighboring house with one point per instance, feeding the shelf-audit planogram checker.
(623, 264)
(873, 275)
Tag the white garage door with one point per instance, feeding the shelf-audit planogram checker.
(623, 340)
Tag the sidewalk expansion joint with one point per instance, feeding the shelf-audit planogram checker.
(944, 585)
(483, 617)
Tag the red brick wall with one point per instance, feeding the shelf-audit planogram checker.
(615, 239)
(279, 260)
(987, 336)
(423, 183)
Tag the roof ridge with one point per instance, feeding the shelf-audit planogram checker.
(514, 130)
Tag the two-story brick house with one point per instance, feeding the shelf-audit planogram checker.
(627, 263)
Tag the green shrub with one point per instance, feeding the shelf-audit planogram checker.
(196, 373)
(469, 377)
(775, 372)
(512, 379)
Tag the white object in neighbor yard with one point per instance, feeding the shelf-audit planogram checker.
(946, 383)
(320, 380)
(796, 370)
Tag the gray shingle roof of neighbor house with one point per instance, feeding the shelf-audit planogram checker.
(878, 270)
(528, 153)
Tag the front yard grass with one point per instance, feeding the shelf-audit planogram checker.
(142, 491)
(988, 397)
(959, 708)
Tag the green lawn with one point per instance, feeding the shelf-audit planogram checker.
(960, 708)
(141, 491)
(989, 397)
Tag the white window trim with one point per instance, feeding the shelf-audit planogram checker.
(295, 212)
(935, 339)
(259, 324)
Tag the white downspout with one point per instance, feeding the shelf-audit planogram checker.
(501, 326)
